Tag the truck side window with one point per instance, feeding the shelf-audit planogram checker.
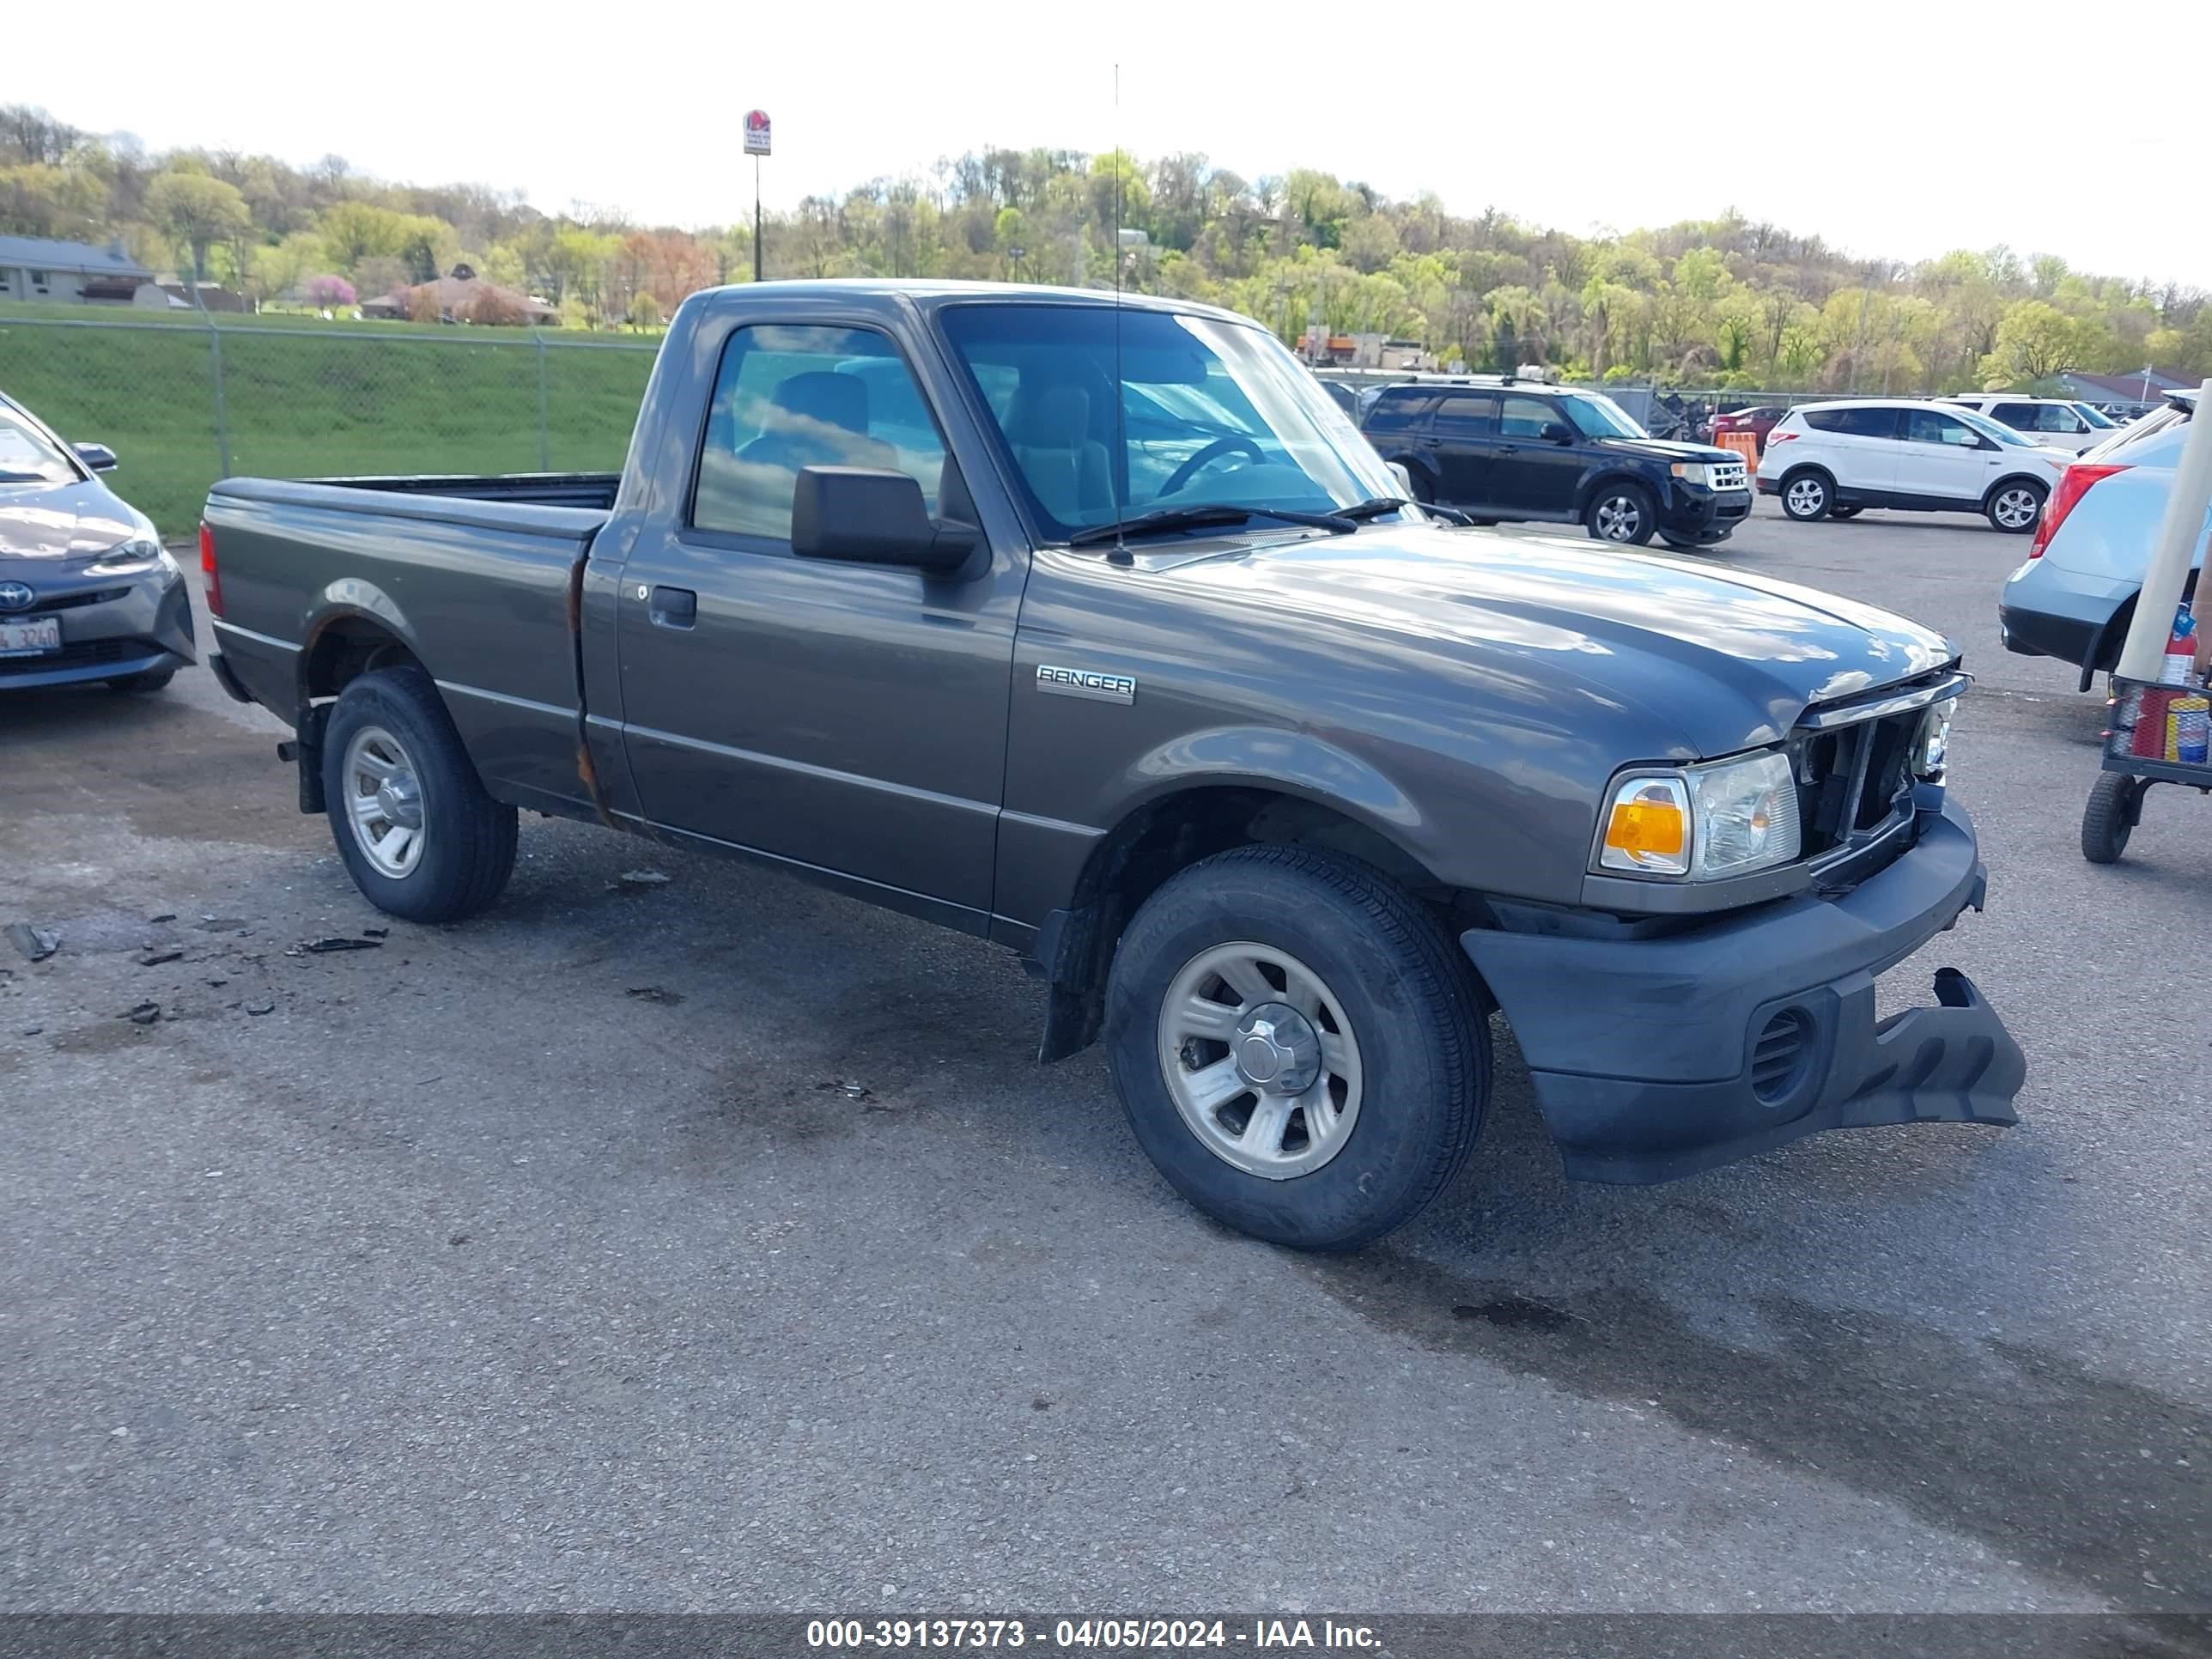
(787, 396)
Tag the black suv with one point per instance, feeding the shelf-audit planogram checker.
(1503, 448)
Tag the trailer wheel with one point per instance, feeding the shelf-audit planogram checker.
(2115, 808)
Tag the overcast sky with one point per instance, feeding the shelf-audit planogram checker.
(1900, 129)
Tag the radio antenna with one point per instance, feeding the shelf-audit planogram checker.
(1120, 470)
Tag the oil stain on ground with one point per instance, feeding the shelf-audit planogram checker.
(2084, 1477)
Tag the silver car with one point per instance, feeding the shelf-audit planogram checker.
(2074, 596)
(87, 591)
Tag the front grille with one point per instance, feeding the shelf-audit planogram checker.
(1777, 1055)
(1725, 475)
(74, 656)
(69, 602)
(1854, 781)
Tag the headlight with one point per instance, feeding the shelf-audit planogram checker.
(1933, 741)
(133, 558)
(1689, 472)
(1705, 821)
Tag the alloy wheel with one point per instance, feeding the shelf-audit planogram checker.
(1261, 1061)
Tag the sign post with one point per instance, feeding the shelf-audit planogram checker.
(756, 145)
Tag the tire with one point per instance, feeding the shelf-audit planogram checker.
(1399, 1055)
(2016, 507)
(462, 848)
(153, 679)
(1807, 495)
(1622, 514)
(2115, 804)
(1424, 491)
(1845, 512)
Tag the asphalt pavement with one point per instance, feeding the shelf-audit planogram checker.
(714, 1243)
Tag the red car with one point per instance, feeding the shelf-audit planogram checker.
(1757, 421)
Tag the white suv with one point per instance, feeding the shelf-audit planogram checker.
(2059, 422)
(1834, 460)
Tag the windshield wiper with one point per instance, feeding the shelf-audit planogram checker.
(1162, 519)
(1373, 507)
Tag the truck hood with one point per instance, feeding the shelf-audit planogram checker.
(64, 522)
(1727, 660)
(1666, 449)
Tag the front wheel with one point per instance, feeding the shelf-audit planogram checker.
(418, 832)
(2014, 507)
(1806, 496)
(1622, 513)
(1297, 1044)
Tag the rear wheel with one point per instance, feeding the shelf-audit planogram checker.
(418, 834)
(1297, 1044)
(1622, 513)
(2115, 806)
(1807, 495)
(2013, 508)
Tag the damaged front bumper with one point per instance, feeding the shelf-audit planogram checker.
(1657, 1058)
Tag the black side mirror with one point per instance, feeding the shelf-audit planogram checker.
(869, 515)
(1556, 432)
(98, 457)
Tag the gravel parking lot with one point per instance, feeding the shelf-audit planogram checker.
(716, 1243)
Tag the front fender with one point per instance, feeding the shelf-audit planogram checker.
(1296, 764)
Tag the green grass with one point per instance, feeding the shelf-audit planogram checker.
(314, 400)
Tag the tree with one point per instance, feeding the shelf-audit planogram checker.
(2034, 342)
(330, 293)
(29, 135)
(196, 211)
(355, 231)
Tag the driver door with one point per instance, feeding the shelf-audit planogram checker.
(844, 716)
(1944, 459)
(1535, 476)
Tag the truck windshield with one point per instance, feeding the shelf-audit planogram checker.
(1599, 417)
(1107, 414)
(27, 455)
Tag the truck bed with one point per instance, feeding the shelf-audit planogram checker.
(474, 576)
(592, 490)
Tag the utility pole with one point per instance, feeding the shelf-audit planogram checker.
(756, 145)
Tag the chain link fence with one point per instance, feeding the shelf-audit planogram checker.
(182, 405)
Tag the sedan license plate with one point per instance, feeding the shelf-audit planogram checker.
(30, 639)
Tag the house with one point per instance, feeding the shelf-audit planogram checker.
(462, 297)
(2143, 386)
(179, 296)
(34, 268)
(1364, 351)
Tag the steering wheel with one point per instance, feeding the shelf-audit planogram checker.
(1213, 452)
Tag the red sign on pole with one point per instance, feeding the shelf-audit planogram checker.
(756, 132)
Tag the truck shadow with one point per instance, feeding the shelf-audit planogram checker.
(2085, 1478)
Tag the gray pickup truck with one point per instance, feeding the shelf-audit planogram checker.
(1098, 631)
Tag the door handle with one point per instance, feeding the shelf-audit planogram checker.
(673, 607)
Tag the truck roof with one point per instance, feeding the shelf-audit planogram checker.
(928, 293)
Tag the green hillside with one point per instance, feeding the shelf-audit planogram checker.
(314, 402)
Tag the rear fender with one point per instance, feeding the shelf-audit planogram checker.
(350, 599)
